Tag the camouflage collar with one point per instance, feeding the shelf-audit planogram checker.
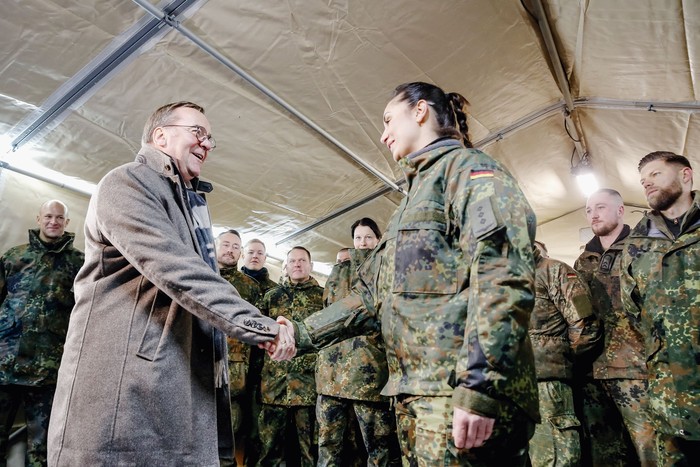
(537, 255)
(229, 270)
(594, 245)
(357, 256)
(307, 284)
(652, 224)
(65, 242)
(440, 143)
(423, 159)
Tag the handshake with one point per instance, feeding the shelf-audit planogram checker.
(283, 346)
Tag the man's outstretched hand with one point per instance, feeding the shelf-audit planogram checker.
(283, 346)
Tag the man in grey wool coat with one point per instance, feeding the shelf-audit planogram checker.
(143, 379)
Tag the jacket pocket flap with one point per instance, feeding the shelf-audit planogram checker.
(564, 422)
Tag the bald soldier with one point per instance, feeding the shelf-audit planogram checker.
(36, 299)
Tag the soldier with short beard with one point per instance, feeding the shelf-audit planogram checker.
(614, 399)
(228, 252)
(661, 287)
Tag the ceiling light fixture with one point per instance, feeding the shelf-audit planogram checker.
(583, 172)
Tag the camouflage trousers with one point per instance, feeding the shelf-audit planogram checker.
(37, 409)
(424, 425)
(616, 422)
(377, 425)
(240, 406)
(557, 439)
(280, 427)
(677, 452)
(251, 413)
(240, 415)
(237, 371)
(251, 420)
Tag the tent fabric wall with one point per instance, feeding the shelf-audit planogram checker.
(337, 62)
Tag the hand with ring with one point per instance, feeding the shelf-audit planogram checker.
(283, 347)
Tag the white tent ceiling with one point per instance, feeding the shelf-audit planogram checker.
(298, 156)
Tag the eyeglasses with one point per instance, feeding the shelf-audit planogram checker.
(200, 132)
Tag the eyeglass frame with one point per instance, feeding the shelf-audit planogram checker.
(200, 133)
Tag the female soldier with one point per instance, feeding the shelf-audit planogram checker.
(351, 374)
(451, 283)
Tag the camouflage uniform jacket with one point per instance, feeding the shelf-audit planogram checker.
(256, 359)
(355, 368)
(452, 282)
(562, 324)
(238, 352)
(661, 286)
(622, 355)
(291, 383)
(36, 299)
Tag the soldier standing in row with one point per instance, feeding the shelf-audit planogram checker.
(351, 374)
(228, 252)
(36, 299)
(563, 327)
(288, 389)
(661, 287)
(614, 401)
(452, 285)
(254, 260)
(342, 255)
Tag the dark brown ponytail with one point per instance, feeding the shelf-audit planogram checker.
(449, 109)
(459, 104)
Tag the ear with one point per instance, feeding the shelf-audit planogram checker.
(67, 222)
(687, 175)
(420, 111)
(160, 139)
(621, 210)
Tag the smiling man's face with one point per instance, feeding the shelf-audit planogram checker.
(181, 143)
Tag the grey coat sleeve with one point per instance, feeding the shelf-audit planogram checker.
(136, 212)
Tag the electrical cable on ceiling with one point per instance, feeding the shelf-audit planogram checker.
(566, 127)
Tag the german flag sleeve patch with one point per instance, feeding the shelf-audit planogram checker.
(477, 174)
